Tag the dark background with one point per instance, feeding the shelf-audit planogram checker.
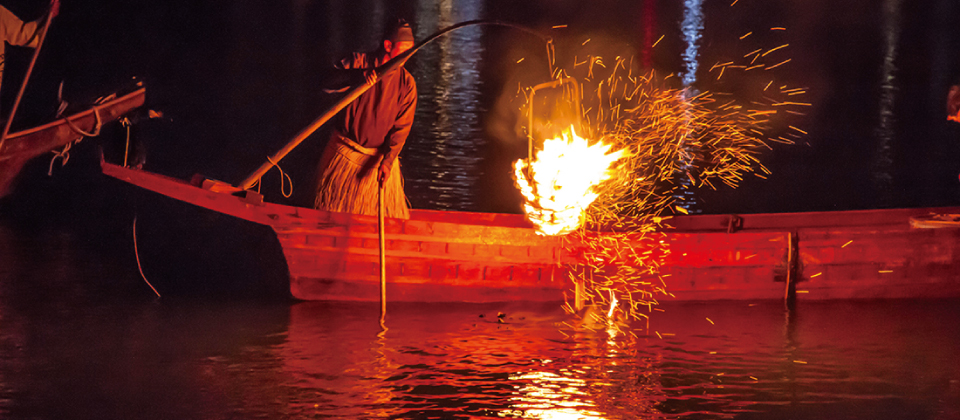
(236, 80)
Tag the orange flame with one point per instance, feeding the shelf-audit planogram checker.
(562, 181)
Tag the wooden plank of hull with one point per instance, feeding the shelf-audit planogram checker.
(722, 266)
(865, 254)
(897, 262)
(836, 220)
(328, 277)
(426, 261)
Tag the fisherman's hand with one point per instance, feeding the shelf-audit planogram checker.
(54, 8)
(384, 172)
(370, 76)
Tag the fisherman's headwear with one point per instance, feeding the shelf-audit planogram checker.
(400, 32)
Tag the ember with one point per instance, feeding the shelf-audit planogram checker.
(667, 139)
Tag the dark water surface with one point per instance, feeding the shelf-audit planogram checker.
(81, 338)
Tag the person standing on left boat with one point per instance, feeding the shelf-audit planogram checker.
(369, 134)
(953, 102)
(17, 32)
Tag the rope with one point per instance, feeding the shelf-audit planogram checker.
(137, 254)
(64, 154)
(126, 150)
(96, 127)
(284, 178)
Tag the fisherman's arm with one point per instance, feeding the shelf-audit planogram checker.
(350, 72)
(25, 34)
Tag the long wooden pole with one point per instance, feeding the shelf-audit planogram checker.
(351, 95)
(383, 256)
(26, 78)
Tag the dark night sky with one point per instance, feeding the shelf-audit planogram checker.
(237, 79)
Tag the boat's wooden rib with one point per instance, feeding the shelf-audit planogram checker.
(457, 256)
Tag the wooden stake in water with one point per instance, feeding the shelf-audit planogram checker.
(383, 256)
(789, 292)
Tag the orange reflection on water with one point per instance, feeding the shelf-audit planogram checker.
(552, 396)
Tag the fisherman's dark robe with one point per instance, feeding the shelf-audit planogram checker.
(371, 128)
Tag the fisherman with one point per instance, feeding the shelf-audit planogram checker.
(361, 154)
(17, 32)
(953, 102)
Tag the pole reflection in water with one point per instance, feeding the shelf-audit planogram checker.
(692, 29)
(883, 158)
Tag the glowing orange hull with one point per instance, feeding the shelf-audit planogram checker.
(478, 257)
(866, 254)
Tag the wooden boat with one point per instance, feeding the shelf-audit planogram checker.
(21, 146)
(480, 257)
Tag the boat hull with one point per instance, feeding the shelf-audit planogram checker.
(476, 257)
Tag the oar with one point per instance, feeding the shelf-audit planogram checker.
(26, 78)
(355, 92)
(383, 256)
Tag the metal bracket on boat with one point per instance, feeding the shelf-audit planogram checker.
(250, 196)
(559, 83)
(216, 186)
(734, 223)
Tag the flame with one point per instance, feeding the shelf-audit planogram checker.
(562, 181)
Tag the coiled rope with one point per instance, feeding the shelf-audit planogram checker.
(96, 127)
(284, 180)
(65, 153)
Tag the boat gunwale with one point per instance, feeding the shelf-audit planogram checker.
(69, 119)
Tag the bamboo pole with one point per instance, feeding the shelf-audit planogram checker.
(383, 256)
(351, 95)
(26, 78)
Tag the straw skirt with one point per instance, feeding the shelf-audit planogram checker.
(348, 181)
